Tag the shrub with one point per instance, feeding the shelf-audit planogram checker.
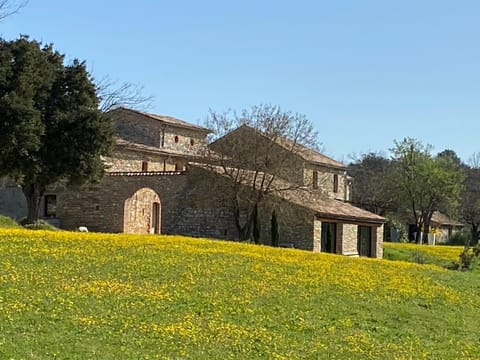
(274, 229)
(37, 225)
(468, 258)
(459, 238)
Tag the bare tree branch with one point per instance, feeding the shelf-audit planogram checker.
(474, 160)
(9, 7)
(114, 94)
(258, 147)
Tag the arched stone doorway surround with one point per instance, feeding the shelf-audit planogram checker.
(142, 213)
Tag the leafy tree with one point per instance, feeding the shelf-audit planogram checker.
(424, 183)
(255, 162)
(450, 156)
(371, 185)
(51, 129)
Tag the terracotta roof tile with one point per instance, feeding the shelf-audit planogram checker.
(442, 219)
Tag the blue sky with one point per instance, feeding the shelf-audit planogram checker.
(365, 72)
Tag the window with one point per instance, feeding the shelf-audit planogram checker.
(335, 183)
(178, 166)
(329, 237)
(176, 139)
(162, 139)
(315, 180)
(192, 142)
(50, 203)
(144, 166)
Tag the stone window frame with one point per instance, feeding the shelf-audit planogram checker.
(315, 179)
(335, 183)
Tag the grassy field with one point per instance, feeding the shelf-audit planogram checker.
(441, 255)
(91, 296)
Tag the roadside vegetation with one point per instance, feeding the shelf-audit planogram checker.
(6, 222)
(87, 295)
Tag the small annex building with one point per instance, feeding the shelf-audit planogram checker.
(442, 228)
(159, 180)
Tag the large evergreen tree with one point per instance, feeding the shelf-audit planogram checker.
(51, 128)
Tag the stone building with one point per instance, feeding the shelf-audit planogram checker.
(159, 180)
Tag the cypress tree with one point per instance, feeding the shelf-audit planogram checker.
(274, 229)
(256, 225)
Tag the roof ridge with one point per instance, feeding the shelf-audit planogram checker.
(171, 120)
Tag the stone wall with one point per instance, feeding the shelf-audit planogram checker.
(194, 203)
(184, 141)
(207, 222)
(296, 227)
(255, 152)
(125, 160)
(102, 207)
(379, 241)
(350, 239)
(185, 207)
(151, 132)
(325, 181)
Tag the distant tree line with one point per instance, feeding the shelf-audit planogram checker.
(412, 183)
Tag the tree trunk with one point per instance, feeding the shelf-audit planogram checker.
(426, 231)
(418, 232)
(474, 231)
(33, 194)
(243, 231)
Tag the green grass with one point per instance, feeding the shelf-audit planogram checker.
(440, 255)
(91, 296)
(6, 222)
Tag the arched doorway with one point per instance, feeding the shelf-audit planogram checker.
(142, 213)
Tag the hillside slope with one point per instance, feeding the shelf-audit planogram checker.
(76, 295)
